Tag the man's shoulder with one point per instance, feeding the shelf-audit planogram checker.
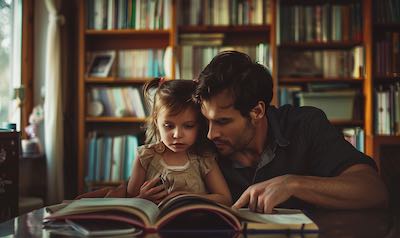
(290, 113)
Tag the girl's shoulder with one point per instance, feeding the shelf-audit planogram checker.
(205, 161)
(157, 147)
(147, 152)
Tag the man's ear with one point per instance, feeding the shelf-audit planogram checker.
(258, 111)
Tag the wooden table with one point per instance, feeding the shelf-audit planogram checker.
(362, 223)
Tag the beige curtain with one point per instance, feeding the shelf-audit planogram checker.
(53, 106)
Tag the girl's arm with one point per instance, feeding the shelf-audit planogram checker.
(217, 186)
(137, 187)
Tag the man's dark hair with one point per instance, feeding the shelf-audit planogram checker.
(248, 81)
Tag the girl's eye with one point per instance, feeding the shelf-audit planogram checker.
(189, 126)
(168, 125)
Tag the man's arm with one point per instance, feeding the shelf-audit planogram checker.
(359, 186)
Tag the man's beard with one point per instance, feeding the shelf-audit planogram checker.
(241, 145)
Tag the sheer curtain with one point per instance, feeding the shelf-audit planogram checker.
(53, 106)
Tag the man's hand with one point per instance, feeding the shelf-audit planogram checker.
(153, 192)
(264, 196)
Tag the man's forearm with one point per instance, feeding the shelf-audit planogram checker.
(358, 187)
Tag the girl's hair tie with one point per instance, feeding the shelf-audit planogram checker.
(162, 80)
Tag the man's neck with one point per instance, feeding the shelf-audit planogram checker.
(250, 157)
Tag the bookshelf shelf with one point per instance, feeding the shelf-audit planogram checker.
(115, 119)
(127, 39)
(130, 42)
(304, 80)
(387, 27)
(315, 2)
(387, 79)
(321, 45)
(116, 80)
(383, 139)
(345, 123)
(264, 29)
(233, 35)
(127, 32)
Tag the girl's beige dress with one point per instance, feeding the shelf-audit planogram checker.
(188, 177)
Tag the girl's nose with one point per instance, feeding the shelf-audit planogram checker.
(177, 133)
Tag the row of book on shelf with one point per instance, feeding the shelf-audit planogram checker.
(322, 63)
(198, 50)
(110, 158)
(387, 109)
(128, 14)
(388, 11)
(322, 23)
(387, 49)
(194, 58)
(138, 63)
(225, 12)
(116, 102)
(355, 136)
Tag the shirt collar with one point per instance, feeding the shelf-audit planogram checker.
(274, 139)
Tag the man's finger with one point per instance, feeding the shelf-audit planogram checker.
(253, 202)
(268, 207)
(242, 201)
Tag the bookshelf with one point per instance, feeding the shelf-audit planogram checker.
(355, 35)
(383, 131)
(384, 70)
(119, 26)
(247, 26)
(321, 49)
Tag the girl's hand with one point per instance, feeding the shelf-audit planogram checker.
(153, 192)
(174, 194)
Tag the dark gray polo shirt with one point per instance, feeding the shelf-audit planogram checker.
(300, 141)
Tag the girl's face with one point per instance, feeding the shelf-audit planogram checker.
(178, 132)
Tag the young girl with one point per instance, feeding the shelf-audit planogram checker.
(177, 157)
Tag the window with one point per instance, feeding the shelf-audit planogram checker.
(11, 92)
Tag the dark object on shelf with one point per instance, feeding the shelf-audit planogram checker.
(9, 159)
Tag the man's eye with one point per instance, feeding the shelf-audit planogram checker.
(222, 122)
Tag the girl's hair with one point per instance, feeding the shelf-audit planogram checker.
(175, 96)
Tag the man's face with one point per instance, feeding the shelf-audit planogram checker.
(227, 128)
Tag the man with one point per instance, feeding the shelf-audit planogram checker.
(287, 156)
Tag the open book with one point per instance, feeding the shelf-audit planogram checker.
(184, 212)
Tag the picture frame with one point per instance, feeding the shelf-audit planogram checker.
(100, 63)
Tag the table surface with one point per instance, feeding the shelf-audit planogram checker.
(360, 223)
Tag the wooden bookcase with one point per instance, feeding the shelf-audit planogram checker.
(90, 40)
(378, 28)
(235, 34)
(308, 36)
(365, 83)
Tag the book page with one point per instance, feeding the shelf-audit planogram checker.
(140, 207)
(281, 216)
